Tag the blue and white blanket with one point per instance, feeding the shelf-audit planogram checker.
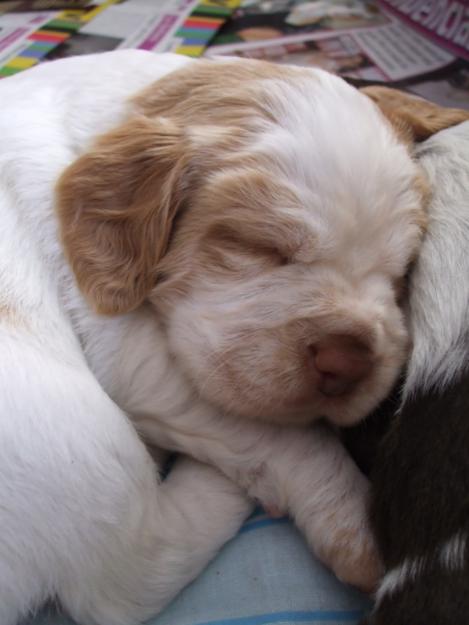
(265, 576)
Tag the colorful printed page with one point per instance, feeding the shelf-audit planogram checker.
(183, 26)
(26, 38)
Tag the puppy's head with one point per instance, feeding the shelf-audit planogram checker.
(269, 214)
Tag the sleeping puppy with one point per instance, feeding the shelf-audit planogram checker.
(420, 503)
(245, 228)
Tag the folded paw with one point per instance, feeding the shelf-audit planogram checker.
(354, 557)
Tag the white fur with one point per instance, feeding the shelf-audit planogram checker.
(451, 555)
(83, 516)
(441, 315)
(397, 578)
(453, 552)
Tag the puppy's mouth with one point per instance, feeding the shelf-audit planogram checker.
(332, 385)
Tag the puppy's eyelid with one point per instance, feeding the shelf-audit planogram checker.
(231, 237)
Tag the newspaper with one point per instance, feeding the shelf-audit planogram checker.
(361, 41)
(445, 21)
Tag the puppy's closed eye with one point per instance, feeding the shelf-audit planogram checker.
(249, 212)
(235, 247)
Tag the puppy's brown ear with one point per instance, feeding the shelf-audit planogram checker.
(414, 119)
(116, 205)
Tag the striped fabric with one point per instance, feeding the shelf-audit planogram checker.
(265, 576)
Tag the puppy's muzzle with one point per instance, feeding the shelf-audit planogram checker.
(341, 362)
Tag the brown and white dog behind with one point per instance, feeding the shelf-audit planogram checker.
(245, 227)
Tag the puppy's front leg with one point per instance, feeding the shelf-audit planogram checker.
(327, 495)
(304, 472)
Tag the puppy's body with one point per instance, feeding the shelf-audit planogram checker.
(421, 479)
(180, 201)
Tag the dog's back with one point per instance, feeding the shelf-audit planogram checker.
(421, 480)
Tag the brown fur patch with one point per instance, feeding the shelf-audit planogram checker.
(215, 92)
(413, 118)
(117, 203)
(358, 558)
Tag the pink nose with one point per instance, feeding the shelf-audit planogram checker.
(342, 362)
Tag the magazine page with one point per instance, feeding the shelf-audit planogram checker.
(445, 22)
(15, 30)
(276, 20)
(404, 43)
(27, 37)
(387, 51)
(141, 24)
(380, 49)
(183, 26)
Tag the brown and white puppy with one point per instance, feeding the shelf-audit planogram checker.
(247, 226)
(268, 213)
